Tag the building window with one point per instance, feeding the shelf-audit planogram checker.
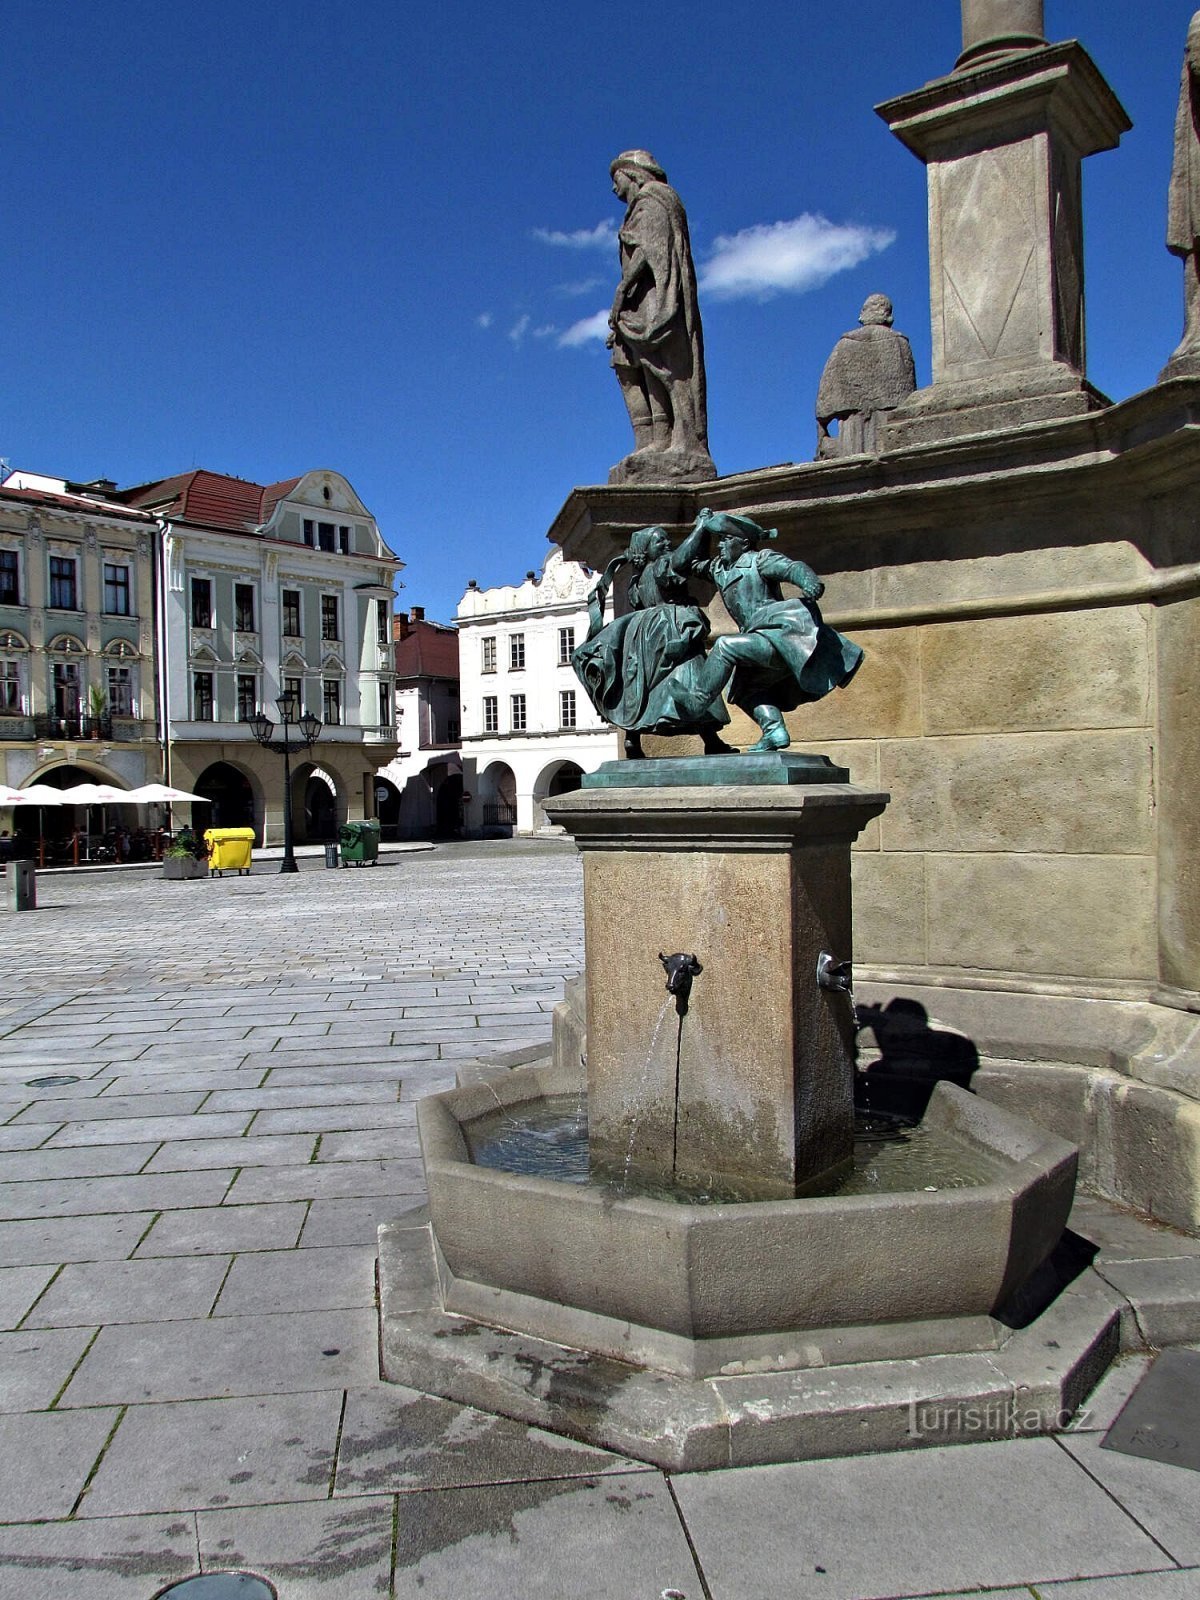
(120, 691)
(516, 652)
(309, 532)
(491, 714)
(247, 696)
(325, 536)
(202, 614)
(329, 617)
(291, 613)
(566, 645)
(385, 705)
(344, 540)
(10, 688)
(116, 590)
(382, 623)
(243, 607)
(66, 689)
(453, 730)
(202, 697)
(566, 708)
(293, 690)
(518, 713)
(488, 647)
(62, 583)
(10, 583)
(331, 701)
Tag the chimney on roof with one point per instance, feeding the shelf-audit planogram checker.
(400, 627)
(416, 613)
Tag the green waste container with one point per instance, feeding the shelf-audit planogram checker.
(359, 843)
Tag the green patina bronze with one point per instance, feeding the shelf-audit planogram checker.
(712, 771)
(648, 670)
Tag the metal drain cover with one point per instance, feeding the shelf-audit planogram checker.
(220, 1586)
(56, 1080)
(1161, 1418)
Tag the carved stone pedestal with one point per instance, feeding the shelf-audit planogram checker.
(752, 1084)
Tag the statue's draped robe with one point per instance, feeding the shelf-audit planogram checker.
(658, 329)
(1183, 205)
(638, 669)
(869, 370)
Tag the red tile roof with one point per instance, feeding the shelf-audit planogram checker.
(212, 499)
(428, 650)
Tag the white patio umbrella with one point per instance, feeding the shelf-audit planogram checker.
(163, 794)
(37, 794)
(96, 794)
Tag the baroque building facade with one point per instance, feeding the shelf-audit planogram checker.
(419, 794)
(528, 730)
(78, 687)
(266, 591)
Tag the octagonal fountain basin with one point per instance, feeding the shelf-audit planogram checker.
(721, 1288)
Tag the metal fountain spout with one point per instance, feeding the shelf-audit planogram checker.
(680, 970)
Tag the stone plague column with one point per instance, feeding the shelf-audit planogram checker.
(1003, 137)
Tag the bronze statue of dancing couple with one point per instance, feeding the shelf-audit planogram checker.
(655, 669)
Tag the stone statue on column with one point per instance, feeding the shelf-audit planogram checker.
(1183, 208)
(869, 373)
(655, 334)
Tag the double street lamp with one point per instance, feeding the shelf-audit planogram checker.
(308, 727)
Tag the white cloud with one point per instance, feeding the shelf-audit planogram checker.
(484, 319)
(519, 329)
(579, 286)
(775, 257)
(583, 332)
(602, 237)
(546, 331)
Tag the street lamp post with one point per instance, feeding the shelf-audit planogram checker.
(308, 727)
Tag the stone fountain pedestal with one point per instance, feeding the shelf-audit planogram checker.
(745, 863)
(787, 1325)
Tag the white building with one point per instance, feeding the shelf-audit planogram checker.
(270, 590)
(419, 794)
(528, 730)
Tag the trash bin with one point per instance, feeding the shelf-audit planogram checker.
(331, 855)
(360, 842)
(229, 849)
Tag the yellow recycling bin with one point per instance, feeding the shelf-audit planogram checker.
(229, 849)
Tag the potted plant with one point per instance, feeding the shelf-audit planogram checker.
(186, 856)
(97, 703)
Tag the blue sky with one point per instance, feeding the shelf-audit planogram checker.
(262, 237)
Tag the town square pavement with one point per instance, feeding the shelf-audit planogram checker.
(207, 1104)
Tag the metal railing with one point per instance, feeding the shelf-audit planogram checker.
(498, 814)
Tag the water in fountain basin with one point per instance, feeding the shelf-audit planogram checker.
(548, 1139)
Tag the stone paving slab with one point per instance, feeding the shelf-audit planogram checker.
(88, 1161)
(299, 1280)
(959, 1517)
(124, 1558)
(159, 1191)
(1146, 1586)
(221, 1230)
(56, 1451)
(397, 1440)
(611, 1538)
(92, 1294)
(71, 1239)
(35, 1364)
(1164, 1499)
(332, 1180)
(19, 1288)
(336, 1551)
(224, 1356)
(139, 1130)
(186, 1155)
(368, 1144)
(206, 1453)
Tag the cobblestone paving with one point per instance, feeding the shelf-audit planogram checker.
(188, 1343)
